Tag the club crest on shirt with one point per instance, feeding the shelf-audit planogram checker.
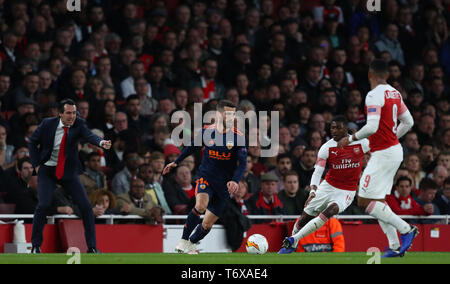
(211, 142)
(230, 145)
(356, 150)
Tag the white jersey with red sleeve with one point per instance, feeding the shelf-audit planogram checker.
(385, 104)
(344, 165)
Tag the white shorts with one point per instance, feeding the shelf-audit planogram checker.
(327, 194)
(378, 176)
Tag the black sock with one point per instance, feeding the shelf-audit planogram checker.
(198, 234)
(192, 221)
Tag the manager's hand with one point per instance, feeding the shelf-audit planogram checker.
(169, 167)
(106, 144)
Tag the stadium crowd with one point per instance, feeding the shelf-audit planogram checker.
(129, 65)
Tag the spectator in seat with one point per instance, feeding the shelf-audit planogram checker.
(120, 123)
(63, 203)
(284, 165)
(329, 238)
(267, 201)
(427, 156)
(6, 151)
(427, 193)
(235, 220)
(20, 190)
(412, 163)
(93, 178)
(140, 203)
(153, 188)
(442, 199)
(135, 119)
(443, 159)
(137, 70)
(28, 90)
(389, 42)
(121, 181)
(171, 152)
(157, 163)
(439, 175)
(179, 191)
(252, 180)
(401, 201)
(107, 200)
(305, 168)
(292, 197)
(148, 104)
(410, 143)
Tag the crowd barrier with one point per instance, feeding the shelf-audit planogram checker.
(64, 231)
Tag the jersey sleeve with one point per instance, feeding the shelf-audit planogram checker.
(190, 149)
(365, 144)
(374, 103)
(322, 156)
(319, 168)
(242, 159)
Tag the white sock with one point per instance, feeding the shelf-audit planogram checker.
(383, 212)
(295, 229)
(309, 228)
(391, 234)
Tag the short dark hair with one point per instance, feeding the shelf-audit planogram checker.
(65, 102)
(379, 67)
(403, 178)
(92, 154)
(132, 97)
(283, 156)
(22, 161)
(427, 183)
(340, 118)
(225, 103)
(290, 173)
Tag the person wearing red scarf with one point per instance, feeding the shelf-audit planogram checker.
(401, 201)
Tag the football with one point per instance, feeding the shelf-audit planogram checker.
(257, 244)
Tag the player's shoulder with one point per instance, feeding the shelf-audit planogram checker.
(330, 143)
(327, 145)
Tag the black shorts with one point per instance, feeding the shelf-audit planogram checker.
(218, 194)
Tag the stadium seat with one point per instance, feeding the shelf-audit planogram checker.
(7, 208)
(71, 233)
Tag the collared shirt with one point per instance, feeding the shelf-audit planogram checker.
(95, 176)
(139, 203)
(58, 138)
(57, 143)
(128, 89)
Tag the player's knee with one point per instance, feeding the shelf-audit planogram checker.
(207, 226)
(362, 204)
(200, 207)
(332, 210)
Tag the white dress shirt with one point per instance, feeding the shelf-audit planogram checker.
(127, 87)
(57, 144)
(58, 138)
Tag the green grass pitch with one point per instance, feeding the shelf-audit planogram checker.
(227, 258)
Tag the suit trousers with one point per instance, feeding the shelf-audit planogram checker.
(46, 185)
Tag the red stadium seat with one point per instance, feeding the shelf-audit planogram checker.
(71, 233)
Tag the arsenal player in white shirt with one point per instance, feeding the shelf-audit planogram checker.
(338, 189)
(384, 107)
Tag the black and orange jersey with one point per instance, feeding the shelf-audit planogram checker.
(224, 156)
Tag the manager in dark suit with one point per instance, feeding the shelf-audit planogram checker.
(54, 149)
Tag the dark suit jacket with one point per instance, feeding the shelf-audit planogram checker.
(42, 140)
